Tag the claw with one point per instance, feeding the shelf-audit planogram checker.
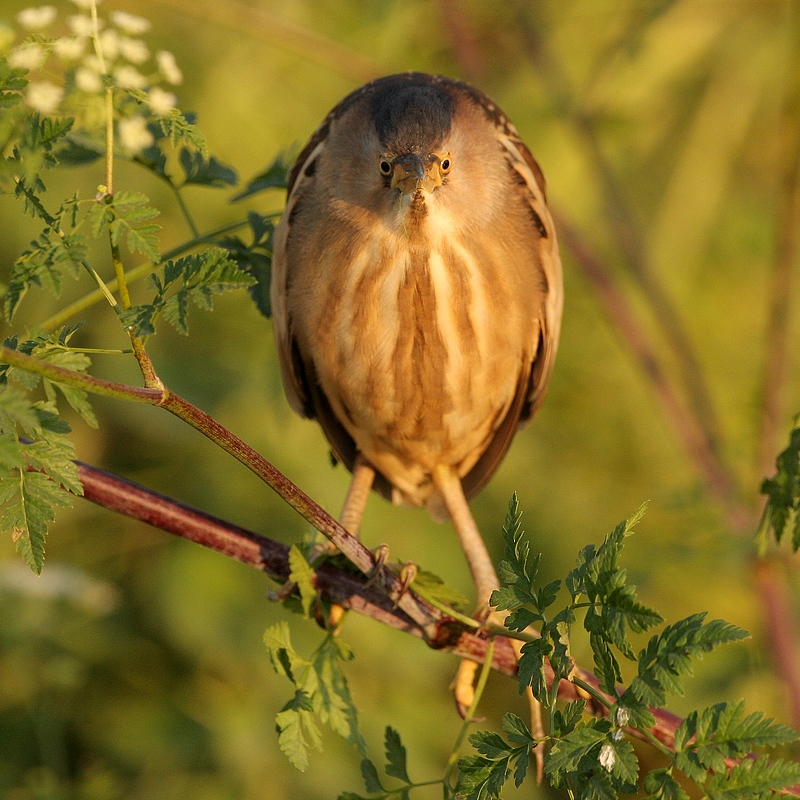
(407, 574)
(381, 556)
(280, 594)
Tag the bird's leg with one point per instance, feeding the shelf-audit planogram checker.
(357, 494)
(352, 513)
(448, 484)
(485, 578)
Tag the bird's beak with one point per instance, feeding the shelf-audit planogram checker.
(415, 171)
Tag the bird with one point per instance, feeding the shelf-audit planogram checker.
(417, 295)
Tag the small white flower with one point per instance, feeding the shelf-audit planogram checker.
(93, 63)
(87, 4)
(617, 734)
(130, 23)
(623, 716)
(69, 48)
(27, 56)
(160, 101)
(607, 757)
(82, 25)
(169, 67)
(109, 44)
(43, 96)
(133, 134)
(35, 19)
(134, 50)
(128, 77)
(88, 81)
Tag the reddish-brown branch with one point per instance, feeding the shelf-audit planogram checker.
(625, 322)
(463, 39)
(777, 356)
(335, 585)
(771, 584)
(627, 231)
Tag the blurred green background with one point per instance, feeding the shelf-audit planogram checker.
(134, 666)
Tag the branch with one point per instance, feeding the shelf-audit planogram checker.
(777, 360)
(630, 241)
(438, 630)
(620, 312)
(312, 512)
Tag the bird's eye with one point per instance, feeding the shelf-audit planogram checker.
(445, 165)
(385, 167)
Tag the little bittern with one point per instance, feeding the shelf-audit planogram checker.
(417, 294)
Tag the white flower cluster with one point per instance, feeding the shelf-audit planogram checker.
(93, 54)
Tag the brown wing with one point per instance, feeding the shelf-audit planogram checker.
(535, 376)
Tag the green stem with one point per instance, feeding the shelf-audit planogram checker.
(162, 397)
(77, 380)
(99, 351)
(592, 691)
(483, 677)
(80, 305)
(109, 98)
(604, 701)
(184, 209)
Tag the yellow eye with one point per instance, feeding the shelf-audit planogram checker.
(445, 164)
(385, 167)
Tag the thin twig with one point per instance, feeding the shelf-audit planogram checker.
(777, 355)
(438, 630)
(312, 512)
(462, 34)
(264, 24)
(629, 237)
(134, 274)
(351, 591)
(623, 318)
(770, 581)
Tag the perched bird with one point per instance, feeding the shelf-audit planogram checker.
(417, 294)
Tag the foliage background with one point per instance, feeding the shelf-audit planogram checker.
(134, 666)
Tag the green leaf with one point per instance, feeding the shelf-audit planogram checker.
(660, 785)
(205, 171)
(395, 756)
(707, 738)
(619, 754)
(567, 754)
(297, 731)
(43, 264)
(302, 574)
(667, 657)
(369, 773)
(480, 779)
(79, 149)
(27, 517)
(336, 705)
(255, 259)
(53, 349)
(565, 721)
(531, 668)
(126, 217)
(192, 279)
(285, 659)
(180, 128)
(782, 514)
(432, 588)
(751, 779)
(606, 665)
(517, 730)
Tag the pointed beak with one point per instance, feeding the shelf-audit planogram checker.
(415, 171)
